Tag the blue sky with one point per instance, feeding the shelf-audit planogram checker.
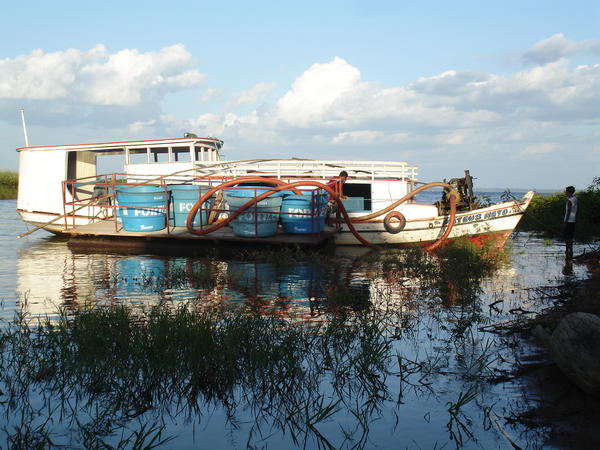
(509, 90)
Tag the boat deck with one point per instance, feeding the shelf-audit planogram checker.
(106, 230)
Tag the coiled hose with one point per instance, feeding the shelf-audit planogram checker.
(279, 185)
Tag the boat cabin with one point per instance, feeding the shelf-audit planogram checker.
(43, 169)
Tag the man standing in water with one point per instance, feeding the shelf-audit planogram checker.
(570, 220)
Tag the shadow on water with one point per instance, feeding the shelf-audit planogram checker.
(344, 349)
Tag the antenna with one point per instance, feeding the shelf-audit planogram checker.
(24, 126)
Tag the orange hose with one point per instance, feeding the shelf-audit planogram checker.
(402, 200)
(205, 197)
(437, 243)
(280, 185)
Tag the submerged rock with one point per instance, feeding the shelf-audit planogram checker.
(575, 348)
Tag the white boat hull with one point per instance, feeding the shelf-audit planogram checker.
(495, 222)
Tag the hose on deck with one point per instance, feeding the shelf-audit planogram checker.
(278, 185)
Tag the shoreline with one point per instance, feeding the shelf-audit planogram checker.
(554, 402)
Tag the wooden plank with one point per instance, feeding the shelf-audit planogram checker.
(107, 229)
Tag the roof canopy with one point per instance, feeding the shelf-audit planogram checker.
(121, 145)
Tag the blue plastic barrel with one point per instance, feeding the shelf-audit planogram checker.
(183, 198)
(145, 207)
(259, 220)
(302, 214)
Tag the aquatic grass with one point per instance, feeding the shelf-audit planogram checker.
(459, 422)
(452, 274)
(105, 367)
(352, 298)
(286, 254)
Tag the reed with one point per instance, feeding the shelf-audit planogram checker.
(101, 369)
(9, 182)
(454, 273)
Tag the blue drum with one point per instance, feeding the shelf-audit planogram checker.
(259, 220)
(142, 208)
(183, 199)
(302, 214)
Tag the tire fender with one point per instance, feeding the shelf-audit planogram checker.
(394, 226)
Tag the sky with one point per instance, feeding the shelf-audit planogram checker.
(508, 90)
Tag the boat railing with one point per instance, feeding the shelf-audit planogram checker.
(301, 168)
(94, 199)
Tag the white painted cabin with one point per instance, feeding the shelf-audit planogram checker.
(42, 170)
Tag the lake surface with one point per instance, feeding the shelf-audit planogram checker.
(439, 355)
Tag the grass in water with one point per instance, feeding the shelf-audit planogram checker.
(454, 273)
(114, 373)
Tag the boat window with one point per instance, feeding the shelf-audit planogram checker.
(181, 154)
(359, 190)
(138, 156)
(159, 154)
(198, 154)
(204, 154)
(109, 162)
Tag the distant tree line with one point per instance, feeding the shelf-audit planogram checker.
(9, 182)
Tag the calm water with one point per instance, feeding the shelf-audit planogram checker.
(432, 328)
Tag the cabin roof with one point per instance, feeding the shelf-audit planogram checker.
(119, 145)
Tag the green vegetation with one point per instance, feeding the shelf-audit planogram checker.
(545, 213)
(102, 369)
(9, 181)
(453, 274)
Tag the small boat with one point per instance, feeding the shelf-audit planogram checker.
(181, 189)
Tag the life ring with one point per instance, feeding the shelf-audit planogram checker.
(395, 226)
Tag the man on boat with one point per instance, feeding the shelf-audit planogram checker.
(337, 185)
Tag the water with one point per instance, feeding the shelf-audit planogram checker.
(437, 336)
(485, 197)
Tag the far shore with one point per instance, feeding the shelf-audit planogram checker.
(9, 182)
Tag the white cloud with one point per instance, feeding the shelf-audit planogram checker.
(328, 109)
(539, 149)
(210, 95)
(95, 77)
(252, 95)
(141, 128)
(315, 92)
(558, 46)
(359, 136)
(329, 105)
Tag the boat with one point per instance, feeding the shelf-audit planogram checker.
(66, 190)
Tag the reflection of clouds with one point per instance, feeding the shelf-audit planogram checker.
(49, 276)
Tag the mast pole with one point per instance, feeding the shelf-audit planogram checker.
(24, 126)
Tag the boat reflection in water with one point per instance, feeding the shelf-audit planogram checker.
(52, 276)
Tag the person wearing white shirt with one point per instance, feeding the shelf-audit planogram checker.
(570, 219)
